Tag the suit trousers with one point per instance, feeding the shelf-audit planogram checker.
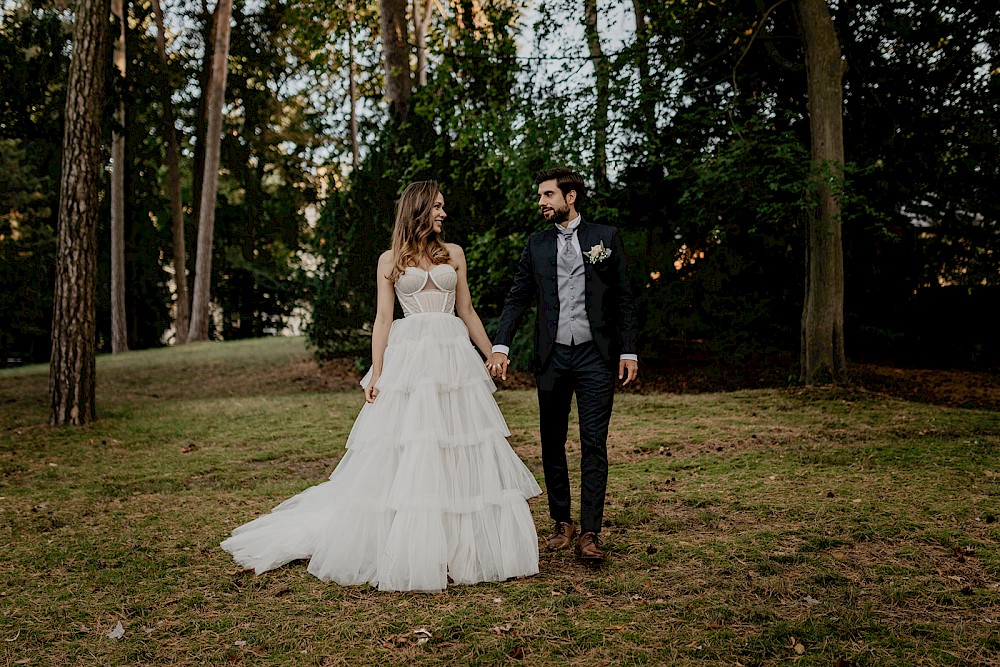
(578, 369)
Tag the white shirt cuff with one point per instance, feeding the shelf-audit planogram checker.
(502, 349)
(629, 357)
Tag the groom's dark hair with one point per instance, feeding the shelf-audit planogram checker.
(567, 180)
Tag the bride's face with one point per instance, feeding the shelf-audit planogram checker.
(437, 213)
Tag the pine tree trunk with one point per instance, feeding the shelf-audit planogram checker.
(183, 304)
(353, 89)
(210, 182)
(602, 74)
(72, 367)
(396, 49)
(822, 357)
(119, 333)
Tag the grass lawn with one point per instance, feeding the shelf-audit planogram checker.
(770, 527)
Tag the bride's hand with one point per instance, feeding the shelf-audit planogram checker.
(371, 391)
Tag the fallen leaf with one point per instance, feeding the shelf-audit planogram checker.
(239, 642)
(501, 629)
(810, 600)
(799, 649)
(118, 631)
(517, 653)
(187, 449)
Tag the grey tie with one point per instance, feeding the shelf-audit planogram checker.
(567, 258)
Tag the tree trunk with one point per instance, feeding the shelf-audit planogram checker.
(183, 304)
(209, 36)
(822, 358)
(72, 368)
(210, 181)
(396, 47)
(647, 105)
(353, 86)
(421, 22)
(119, 332)
(602, 74)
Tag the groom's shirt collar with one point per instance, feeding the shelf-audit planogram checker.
(571, 227)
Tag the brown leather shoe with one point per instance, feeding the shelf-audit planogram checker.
(562, 535)
(588, 548)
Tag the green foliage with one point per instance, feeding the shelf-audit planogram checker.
(27, 255)
(34, 64)
(462, 130)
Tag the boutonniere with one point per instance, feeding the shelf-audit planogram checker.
(598, 253)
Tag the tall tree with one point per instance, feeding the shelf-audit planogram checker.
(396, 47)
(647, 104)
(183, 303)
(119, 334)
(421, 22)
(210, 181)
(352, 77)
(822, 351)
(602, 75)
(72, 367)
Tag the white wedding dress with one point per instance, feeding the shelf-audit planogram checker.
(429, 491)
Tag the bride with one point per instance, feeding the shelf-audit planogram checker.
(429, 491)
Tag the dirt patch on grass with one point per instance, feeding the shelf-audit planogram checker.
(958, 389)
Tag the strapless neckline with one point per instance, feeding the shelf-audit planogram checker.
(430, 270)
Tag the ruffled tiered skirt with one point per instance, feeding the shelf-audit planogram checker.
(429, 489)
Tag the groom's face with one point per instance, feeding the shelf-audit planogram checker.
(555, 208)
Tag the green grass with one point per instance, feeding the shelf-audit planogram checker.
(858, 527)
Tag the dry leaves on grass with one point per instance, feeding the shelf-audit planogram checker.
(417, 637)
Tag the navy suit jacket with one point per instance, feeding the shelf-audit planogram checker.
(610, 308)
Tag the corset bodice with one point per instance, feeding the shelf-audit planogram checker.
(431, 291)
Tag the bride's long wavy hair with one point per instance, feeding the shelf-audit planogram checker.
(414, 234)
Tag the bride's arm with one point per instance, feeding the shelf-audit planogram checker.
(463, 303)
(383, 322)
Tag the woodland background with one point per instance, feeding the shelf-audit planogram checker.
(689, 120)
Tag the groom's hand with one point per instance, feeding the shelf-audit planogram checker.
(627, 369)
(497, 364)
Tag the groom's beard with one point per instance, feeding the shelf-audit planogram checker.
(559, 215)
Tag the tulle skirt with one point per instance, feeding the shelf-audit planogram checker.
(429, 489)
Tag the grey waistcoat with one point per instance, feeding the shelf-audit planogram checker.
(574, 327)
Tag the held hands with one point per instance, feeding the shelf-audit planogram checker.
(627, 369)
(497, 364)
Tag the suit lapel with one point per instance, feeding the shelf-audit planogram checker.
(584, 236)
(548, 252)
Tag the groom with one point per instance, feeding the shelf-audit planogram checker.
(575, 272)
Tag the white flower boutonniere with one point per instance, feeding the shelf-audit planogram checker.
(598, 253)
